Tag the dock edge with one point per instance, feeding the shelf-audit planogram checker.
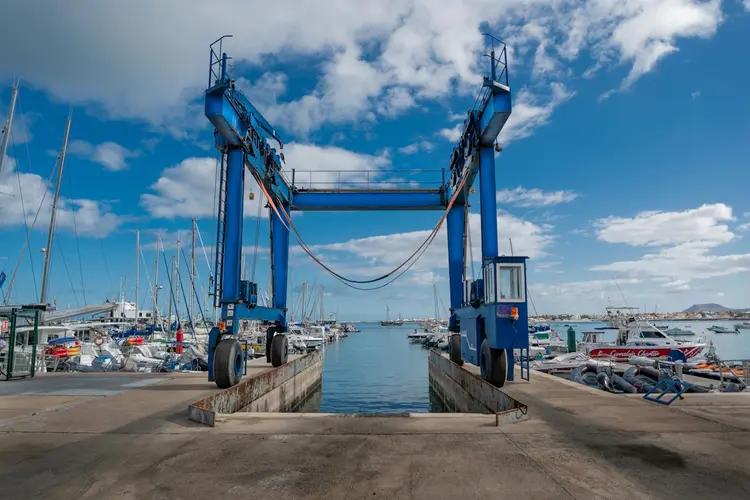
(464, 392)
(276, 390)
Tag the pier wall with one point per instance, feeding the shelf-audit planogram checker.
(462, 391)
(264, 389)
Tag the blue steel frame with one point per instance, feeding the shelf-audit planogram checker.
(245, 137)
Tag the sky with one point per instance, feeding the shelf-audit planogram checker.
(623, 173)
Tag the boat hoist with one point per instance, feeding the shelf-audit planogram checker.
(489, 315)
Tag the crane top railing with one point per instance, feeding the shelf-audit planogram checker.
(366, 180)
(216, 68)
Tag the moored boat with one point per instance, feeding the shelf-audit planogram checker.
(638, 337)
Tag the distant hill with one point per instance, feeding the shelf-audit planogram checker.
(707, 308)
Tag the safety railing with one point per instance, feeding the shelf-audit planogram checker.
(365, 180)
(498, 56)
(215, 69)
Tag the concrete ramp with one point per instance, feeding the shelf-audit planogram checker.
(264, 389)
(462, 391)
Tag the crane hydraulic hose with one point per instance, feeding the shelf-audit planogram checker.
(411, 260)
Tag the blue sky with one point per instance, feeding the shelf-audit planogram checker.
(622, 177)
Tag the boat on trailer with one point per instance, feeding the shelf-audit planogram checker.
(637, 337)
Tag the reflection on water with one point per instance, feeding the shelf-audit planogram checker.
(377, 370)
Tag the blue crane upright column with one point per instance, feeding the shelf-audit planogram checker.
(225, 357)
(277, 349)
(456, 230)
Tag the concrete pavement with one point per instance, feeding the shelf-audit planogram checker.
(137, 443)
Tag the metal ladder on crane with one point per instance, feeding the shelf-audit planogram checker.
(221, 222)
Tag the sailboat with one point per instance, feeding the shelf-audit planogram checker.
(387, 321)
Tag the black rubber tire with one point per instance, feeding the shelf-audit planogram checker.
(279, 350)
(225, 359)
(454, 349)
(493, 364)
(269, 337)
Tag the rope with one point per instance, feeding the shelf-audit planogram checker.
(23, 204)
(106, 267)
(28, 236)
(408, 262)
(58, 247)
(471, 250)
(195, 293)
(257, 239)
(78, 247)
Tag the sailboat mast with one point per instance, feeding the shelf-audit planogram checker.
(8, 125)
(322, 309)
(156, 279)
(137, 271)
(171, 294)
(192, 272)
(50, 233)
(176, 286)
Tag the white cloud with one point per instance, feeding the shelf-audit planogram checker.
(746, 3)
(697, 93)
(686, 238)
(743, 227)
(110, 155)
(603, 289)
(186, 189)
(528, 113)
(22, 194)
(453, 133)
(682, 263)
(650, 29)
(149, 60)
(534, 197)
(415, 147)
(669, 228)
(379, 254)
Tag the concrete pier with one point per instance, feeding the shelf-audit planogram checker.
(128, 436)
(264, 389)
(463, 391)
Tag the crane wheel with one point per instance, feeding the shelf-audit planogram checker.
(454, 349)
(279, 350)
(269, 338)
(228, 363)
(493, 364)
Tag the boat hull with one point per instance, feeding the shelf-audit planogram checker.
(623, 353)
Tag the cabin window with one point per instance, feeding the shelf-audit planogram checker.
(489, 284)
(651, 334)
(510, 284)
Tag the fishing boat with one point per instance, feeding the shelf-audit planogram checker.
(721, 329)
(679, 332)
(638, 337)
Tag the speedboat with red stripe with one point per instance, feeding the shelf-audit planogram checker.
(638, 337)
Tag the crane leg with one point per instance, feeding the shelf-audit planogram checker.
(456, 230)
(277, 348)
(488, 202)
(223, 348)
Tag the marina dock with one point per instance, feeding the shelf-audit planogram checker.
(129, 436)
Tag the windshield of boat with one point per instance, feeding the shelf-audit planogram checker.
(651, 334)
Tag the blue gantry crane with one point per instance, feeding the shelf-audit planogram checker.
(489, 316)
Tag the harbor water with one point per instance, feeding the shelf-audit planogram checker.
(375, 370)
(378, 370)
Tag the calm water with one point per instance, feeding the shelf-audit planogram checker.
(378, 370)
